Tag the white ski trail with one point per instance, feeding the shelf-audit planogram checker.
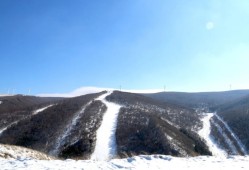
(15, 122)
(105, 148)
(41, 109)
(68, 130)
(239, 143)
(228, 141)
(205, 134)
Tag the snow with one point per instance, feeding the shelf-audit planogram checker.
(226, 138)
(105, 148)
(15, 122)
(17, 152)
(8, 126)
(1, 102)
(157, 162)
(89, 90)
(205, 134)
(68, 130)
(41, 109)
(242, 147)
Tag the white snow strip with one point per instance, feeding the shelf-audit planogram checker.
(205, 134)
(105, 148)
(242, 147)
(41, 109)
(1, 102)
(7, 127)
(15, 122)
(226, 138)
(68, 129)
(153, 162)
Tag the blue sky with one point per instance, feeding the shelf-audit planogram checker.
(58, 46)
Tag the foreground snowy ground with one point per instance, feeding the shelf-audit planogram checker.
(156, 162)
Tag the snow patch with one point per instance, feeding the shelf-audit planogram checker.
(1, 102)
(105, 148)
(158, 162)
(41, 109)
(205, 134)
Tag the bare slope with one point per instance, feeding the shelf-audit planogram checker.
(194, 100)
(146, 126)
(236, 116)
(43, 131)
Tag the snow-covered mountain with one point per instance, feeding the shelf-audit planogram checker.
(71, 127)
(229, 120)
(113, 124)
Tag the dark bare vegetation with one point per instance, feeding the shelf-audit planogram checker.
(41, 131)
(236, 114)
(202, 99)
(146, 126)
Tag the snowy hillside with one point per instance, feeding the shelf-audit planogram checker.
(98, 128)
(118, 124)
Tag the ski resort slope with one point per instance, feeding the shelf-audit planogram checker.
(236, 139)
(205, 134)
(41, 109)
(105, 148)
(15, 122)
(157, 162)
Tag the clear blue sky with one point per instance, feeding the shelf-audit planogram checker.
(60, 45)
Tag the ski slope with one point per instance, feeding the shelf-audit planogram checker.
(205, 134)
(68, 130)
(42, 109)
(15, 122)
(236, 139)
(105, 148)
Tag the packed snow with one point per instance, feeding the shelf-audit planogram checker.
(228, 141)
(239, 143)
(105, 148)
(153, 162)
(41, 109)
(205, 134)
